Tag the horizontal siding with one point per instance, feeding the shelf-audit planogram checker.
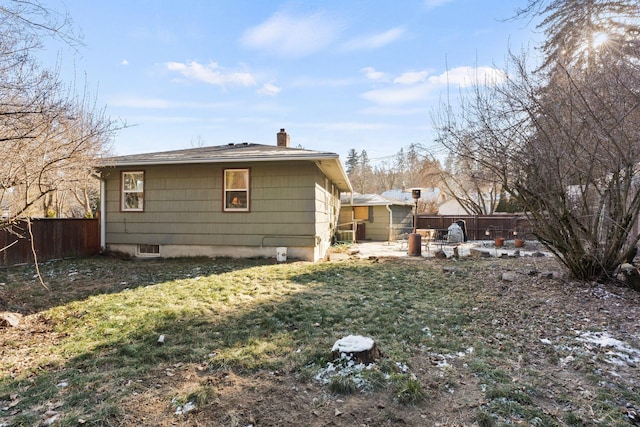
(264, 219)
(275, 239)
(208, 228)
(346, 215)
(183, 205)
(378, 229)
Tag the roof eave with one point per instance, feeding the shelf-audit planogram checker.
(329, 164)
(220, 159)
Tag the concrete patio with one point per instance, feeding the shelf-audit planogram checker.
(367, 249)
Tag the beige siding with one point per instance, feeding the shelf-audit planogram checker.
(377, 227)
(346, 215)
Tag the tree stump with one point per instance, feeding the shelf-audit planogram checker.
(361, 349)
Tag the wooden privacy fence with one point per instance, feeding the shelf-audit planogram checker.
(53, 238)
(480, 227)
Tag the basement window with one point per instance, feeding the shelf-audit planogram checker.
(148, 250)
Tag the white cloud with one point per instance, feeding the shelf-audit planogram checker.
(292, 35)
(395, 95)
(269, 89)
(424, 86)
(467, 76)
(411, 77)
(211, 73)
(430, 4)
(374, 41)
(372, 74)
(124, 62)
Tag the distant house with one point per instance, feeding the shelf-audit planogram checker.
(451, 207)
(239, 200)
(375, 217)
(427, 195)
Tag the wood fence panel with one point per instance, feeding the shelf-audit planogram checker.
(53, 238)
(480, 227)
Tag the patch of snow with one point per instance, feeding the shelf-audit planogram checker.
(442, 363)
(403, 367)
(185, 409)
(621, 354)
(353, 344)
(346, 367)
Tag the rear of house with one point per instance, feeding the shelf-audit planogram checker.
(238, 200)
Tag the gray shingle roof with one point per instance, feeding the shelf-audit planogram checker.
(372, 200)
(244, 151)
(328, 162)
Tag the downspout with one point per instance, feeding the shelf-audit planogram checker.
(390, 223)
(103, 213)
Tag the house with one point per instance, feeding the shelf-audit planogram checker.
(451, 207)
(430, 197)
(375, 217)
(239, 200)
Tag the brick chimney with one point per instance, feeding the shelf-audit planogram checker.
(283, 138)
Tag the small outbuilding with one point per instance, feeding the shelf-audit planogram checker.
(374, 217)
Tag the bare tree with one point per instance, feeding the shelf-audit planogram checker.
(413, 167)
(466, 180)
(564, 137)
(566, 147)
(49, 134)
(578, 31)
(385, 176)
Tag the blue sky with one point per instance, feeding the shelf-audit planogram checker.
(336, 74)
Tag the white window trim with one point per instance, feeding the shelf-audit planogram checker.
(124, 192)
(225, 190)
(148, 254)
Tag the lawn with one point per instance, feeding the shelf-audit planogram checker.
(248, 342)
